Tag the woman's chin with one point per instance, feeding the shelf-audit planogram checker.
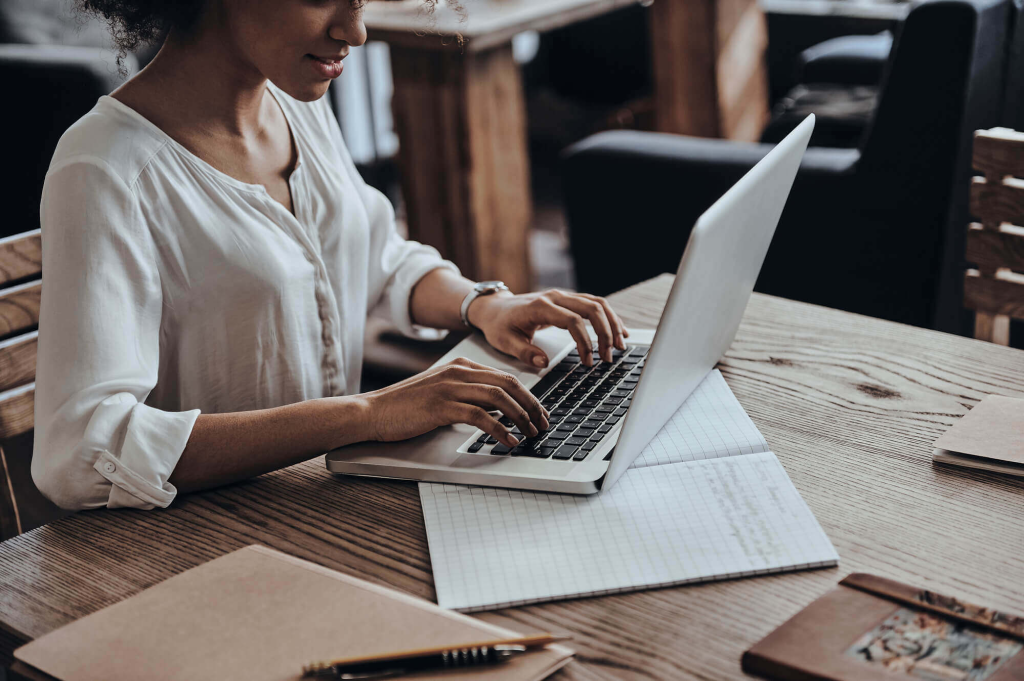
(304, 91)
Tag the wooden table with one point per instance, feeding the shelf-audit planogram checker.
(850, 404)
(460, 115)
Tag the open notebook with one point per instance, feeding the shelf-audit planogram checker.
(705, 500)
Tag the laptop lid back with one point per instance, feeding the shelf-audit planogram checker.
(716, 276)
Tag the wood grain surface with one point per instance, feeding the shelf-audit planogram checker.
(21, 256)
(19, 308)
(850, 404)
(18, 360)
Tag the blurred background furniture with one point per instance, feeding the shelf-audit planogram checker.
(460, 113)
(994, 287)
(59, 64)
(865, 229)
(22, 507)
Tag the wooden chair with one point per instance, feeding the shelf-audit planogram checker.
(995, 290)
(20, 286)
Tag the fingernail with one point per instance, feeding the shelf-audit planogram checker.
(512, 440)
(539, 361)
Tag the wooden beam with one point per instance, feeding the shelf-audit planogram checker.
(708, 60)
(461, 119)
(16, 411)
(19, 308)
(18, 360)
(999, 152)
(994, 296)
(21, 256)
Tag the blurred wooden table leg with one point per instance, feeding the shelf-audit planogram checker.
(461, 121)
(710, 77)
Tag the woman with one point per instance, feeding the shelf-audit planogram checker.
(211, 256)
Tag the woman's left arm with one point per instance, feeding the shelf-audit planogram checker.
(509, 321)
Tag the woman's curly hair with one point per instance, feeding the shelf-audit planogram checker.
(135, 23)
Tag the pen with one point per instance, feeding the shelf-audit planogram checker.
(442, 657)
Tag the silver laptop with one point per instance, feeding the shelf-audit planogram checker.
(603, 416)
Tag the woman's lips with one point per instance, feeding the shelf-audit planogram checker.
(326, 68)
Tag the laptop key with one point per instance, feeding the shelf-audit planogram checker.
(506, 421)
(606, 428)
(619, 412)
(500, 449)
(561, 411)
(483, 438)
(575, 441)
(589, 446)
(591, 423)
(575, 418)
(584, 432)
(558, 435)
(476, 446)
(613, 420)
(563, 453)
(613, 400)
(597, 437)
(580, 455)
(567, 427)
(604, 409)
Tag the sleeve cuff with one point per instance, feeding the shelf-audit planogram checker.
(413, 269)
(153, 443)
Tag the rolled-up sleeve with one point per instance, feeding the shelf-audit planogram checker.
(96, 441)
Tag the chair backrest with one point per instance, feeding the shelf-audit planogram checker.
(945, 79)
(994, 288)
(20, 287)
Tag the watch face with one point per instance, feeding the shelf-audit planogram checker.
(489, 285)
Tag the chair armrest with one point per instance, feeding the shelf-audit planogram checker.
(848, 60)
(632, 197)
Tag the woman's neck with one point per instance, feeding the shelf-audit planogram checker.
(201, 82)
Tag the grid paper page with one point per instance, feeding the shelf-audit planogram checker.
(658, 526)
(711, 423)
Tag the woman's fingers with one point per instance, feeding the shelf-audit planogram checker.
(491, 397)
(517, 391)
(501, 390)
(478, 417)
(593, 311)
(617, 325)
(544, 312)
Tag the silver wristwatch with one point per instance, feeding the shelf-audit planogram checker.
(483, 288)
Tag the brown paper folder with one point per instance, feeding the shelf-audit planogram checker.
(260, 615)
(989, 437)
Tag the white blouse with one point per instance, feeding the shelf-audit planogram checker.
(171, 288)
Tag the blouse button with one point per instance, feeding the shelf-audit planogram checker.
(109, 467)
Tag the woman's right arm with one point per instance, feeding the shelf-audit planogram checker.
(225, 448)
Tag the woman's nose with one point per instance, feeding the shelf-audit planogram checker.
(350, 30)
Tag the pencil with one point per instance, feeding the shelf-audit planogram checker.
(534, 641)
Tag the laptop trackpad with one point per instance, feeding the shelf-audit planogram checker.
(519, 464)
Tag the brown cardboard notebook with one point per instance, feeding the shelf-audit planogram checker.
(990, 437)
(874, 628)
(260, 615)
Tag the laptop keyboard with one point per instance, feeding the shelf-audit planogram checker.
(585, 403)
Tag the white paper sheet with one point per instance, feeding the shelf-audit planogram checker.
(695, 507)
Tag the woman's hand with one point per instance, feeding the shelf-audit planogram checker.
(508, 322)
(459, 392)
